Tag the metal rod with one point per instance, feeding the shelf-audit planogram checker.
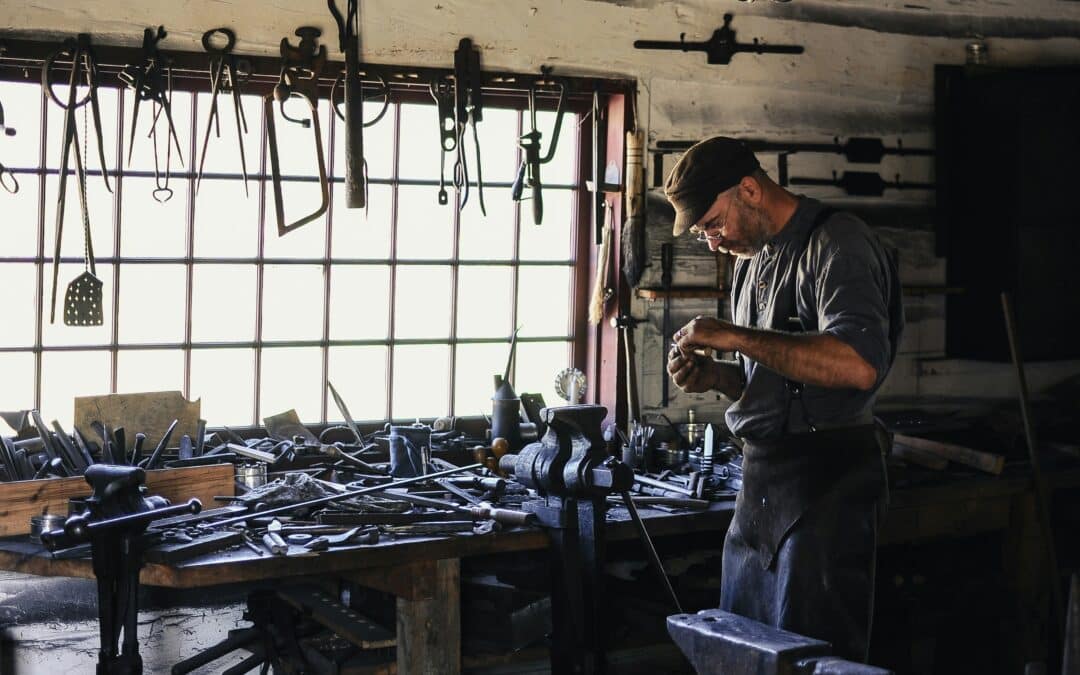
(654, 559)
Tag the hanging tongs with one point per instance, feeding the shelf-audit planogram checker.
(300, 69)
(529, 171)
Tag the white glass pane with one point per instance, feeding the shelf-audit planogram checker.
(537, 364)
(292, 379)
(359, 302)
(485, 295)
(20, 222)
(419, 148)
(562, 169)
(378, 140)
(226, 223)
(54, 115)
(488, 237)
(142, 152)
(223, 303)
(59, 334)
(19, 282)
(149, 228)
(152, 303)
(307, 241)
(421, 381)
(544, 301)
(223, 151)
(552, 239)
(72, 239)
(422, 305)
(498, 146)
(474, 378)
(359, 375)
(17, 369)
(22, 112)
(139, 370)
(65, 375)
(296, 145)
(425, 230)
(292, 302)
(225, 381)
(362, 233)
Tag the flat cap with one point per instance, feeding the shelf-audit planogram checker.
(707, 169)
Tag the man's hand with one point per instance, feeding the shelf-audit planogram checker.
(707, 332)
(692, 373)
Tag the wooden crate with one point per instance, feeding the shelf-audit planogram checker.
(19, 500)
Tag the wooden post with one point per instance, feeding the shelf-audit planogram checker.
(429, 626)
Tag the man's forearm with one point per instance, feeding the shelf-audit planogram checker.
(729, 379)
(819, 360)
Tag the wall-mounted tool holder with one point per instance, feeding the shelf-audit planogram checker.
(721, 47)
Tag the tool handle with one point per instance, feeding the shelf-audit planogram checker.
(355, 189)
(667, 255)
(509, 516)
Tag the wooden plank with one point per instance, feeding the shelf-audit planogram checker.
(150, 413)
(19, 500)
(429, 630)
(922, 458)
(984, 461)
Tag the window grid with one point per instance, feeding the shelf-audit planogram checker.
(327, 263)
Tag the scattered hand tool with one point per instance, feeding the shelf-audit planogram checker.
(155, 457)
(272, 539)
(721, 46)
(355, 536)
(300, 70)
(349, 43)
(136, 450)
(7, 178)
(529, 171)
(479, 510)
(224, 76)
(666, 262)
(148, 82)
(344, 410)
(83, 300)
(75, 456)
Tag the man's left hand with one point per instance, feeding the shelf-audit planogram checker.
(705, 331)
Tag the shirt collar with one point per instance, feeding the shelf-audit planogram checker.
(803, 218)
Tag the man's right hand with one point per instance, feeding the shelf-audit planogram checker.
(692, 373)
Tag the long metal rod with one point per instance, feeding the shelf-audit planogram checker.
(654, 559)
(344, 495)
(1041, 495)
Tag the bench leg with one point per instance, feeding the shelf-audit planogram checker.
(429, 628)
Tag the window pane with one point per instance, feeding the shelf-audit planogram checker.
(152, 303)
(296, 145)
(419, 146)
(359, 302)
(541, 310)
(18, 372)
(485, 295)
(378, 141)
(552, 239)
(223, 303)
(151, 228)
(562, 169)
(142, 154)
(498, 146)
(292, 379)
(22, 112)
(421, 381)
(100, 213)
(224, 380)
(139, 370)
(359, 375)
(425, 229)
(226, 223)
(422, 305)
(59, 334)
(19, 282)
(65, 375)
(362, 233)
(54, 114)
(473, 379)
(223, 151)
(537, 364)
(293, 302)
(20, 215)
(490, 237)
(307, 241)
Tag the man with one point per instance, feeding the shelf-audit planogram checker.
(816, 319)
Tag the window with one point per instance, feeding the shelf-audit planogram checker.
(406, 307)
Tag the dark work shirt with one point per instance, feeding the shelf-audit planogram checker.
(835, 278)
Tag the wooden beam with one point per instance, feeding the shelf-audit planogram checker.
(977, 459)
(429, 630)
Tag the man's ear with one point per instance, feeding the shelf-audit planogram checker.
(751, 190)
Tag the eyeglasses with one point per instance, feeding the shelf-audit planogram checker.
(702, 233)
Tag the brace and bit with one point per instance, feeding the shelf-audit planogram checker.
(226, 74)
(529, 170)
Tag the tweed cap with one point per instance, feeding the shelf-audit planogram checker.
(707, 169)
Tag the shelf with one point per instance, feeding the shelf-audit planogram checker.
(682, 293)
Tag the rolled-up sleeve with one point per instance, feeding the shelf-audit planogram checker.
(853, 300)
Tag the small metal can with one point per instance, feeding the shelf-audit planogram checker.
(46, 522)
(251, 476)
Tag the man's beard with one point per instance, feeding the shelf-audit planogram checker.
(755, 224)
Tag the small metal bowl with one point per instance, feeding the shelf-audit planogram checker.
(45, 523)
(251, 476)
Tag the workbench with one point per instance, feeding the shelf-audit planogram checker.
(424, 572)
